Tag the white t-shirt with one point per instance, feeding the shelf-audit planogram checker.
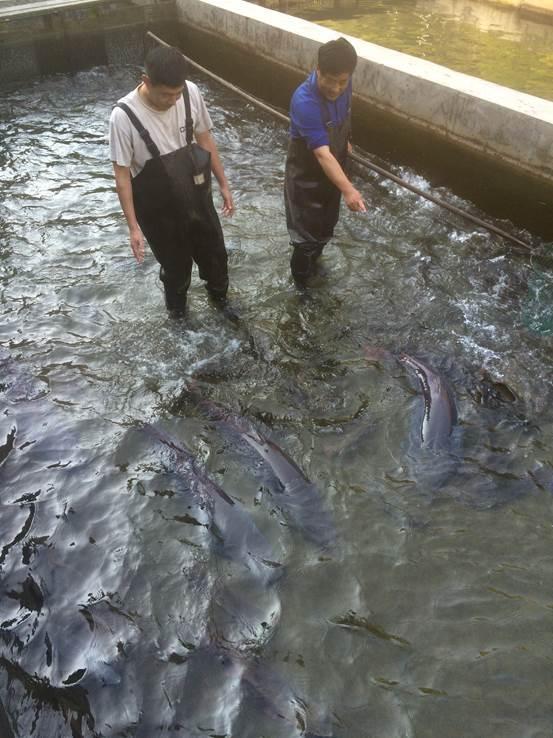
(166, 128)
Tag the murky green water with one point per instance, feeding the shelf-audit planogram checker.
(124, 611)
(479, 39)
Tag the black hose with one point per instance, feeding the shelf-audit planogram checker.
(363, 160)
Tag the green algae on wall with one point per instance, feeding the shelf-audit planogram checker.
(474, 38)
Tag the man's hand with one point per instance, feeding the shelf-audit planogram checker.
(228, 203)
(137, 244)
(207, 142)
(354, 201)
(124, 191)
(337, 176)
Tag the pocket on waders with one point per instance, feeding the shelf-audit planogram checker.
(189, 174)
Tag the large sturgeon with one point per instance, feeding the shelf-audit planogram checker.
(234, 530)
(440, 412)
(299, 499)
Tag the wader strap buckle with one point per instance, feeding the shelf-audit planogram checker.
(198, 176)
(142, 132)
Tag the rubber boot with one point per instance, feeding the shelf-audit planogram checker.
(218, 291)
(218, 298)
(175, 295)
(303, 262)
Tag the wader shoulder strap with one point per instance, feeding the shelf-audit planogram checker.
(201, 165)
(188, 110)
(142, 132)
(327, 115)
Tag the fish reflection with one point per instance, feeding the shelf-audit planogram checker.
(7, 447)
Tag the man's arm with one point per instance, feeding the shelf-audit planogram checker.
(206, 141)
(124, 191)
(331, 167)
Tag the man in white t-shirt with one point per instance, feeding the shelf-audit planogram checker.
(163, 177)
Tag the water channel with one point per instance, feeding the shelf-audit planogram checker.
(122, 611)
(478, 38)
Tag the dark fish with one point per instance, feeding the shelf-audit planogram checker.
(472, 467)
(235, 533)
(5, 448)
(490, 393)
(70, 703)
(440, 412)
(299, 499)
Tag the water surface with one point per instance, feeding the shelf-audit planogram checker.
(121, 611)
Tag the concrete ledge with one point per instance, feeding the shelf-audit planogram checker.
(503, 125)
(541, 12)
(8, 10)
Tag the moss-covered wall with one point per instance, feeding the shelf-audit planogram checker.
(533, 8)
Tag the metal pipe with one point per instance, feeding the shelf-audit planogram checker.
(363, 160)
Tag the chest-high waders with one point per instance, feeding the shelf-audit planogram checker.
(312, 202)
(174, 208)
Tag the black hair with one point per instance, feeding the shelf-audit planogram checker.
(337, 57)
(165, 65)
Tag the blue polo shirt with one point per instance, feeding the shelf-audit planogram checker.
(307, 110)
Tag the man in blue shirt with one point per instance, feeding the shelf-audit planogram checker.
(320, 114)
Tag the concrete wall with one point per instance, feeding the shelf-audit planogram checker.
(496, 18)
(503, 125)
(51, 36)
(542, 9)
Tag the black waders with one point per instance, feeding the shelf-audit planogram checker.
(174, 208)
(312, 202)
